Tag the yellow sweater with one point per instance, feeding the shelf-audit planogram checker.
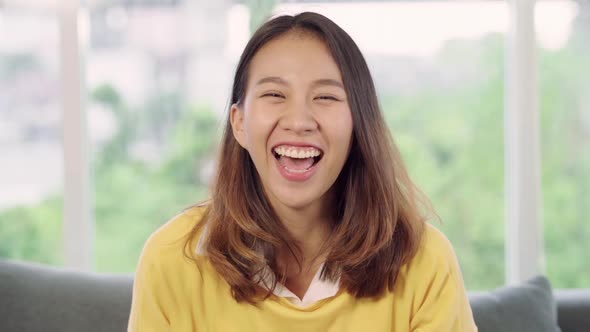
(171, 293)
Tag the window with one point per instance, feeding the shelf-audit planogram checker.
(156, 83)
(154, 97)
(31, 166)
(564, 105)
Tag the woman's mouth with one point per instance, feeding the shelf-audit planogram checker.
(297, 163)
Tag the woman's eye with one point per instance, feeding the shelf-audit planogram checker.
(273, 94)
(327, 97)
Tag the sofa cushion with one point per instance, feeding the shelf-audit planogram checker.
(40, 298)
(521, 308)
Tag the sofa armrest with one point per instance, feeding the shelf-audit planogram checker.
(573, 309)
(35, 297)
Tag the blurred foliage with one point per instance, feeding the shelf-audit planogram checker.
(13, 64)
(565, 145)
(33, 232)
(134, 196)
(452, 143)
(451, 136)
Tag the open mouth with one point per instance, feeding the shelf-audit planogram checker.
(297, 159)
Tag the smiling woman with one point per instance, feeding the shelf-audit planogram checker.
(313, 223)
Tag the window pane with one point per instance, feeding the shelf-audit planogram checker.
(30, 138)
(564, 64)
(158, 78)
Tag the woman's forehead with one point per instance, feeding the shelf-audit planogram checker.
(294, 56)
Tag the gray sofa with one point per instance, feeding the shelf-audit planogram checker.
(40, 298)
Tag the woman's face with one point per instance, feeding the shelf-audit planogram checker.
(295, 121)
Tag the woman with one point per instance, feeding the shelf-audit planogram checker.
(313, 224)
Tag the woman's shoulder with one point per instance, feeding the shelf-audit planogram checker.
(435, 241)
(435, 287)
(435, 252)
(165, 271)
(173, 235)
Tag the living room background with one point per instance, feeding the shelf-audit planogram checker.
(110, 110)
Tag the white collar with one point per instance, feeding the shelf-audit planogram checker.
(318, 289)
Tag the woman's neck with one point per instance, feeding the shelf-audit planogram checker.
(309, 228)
(310, 232)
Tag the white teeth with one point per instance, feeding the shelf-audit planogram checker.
(298, 153)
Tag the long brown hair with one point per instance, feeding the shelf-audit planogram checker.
(379, 215)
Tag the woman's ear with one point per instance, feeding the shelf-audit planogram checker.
(236, 118)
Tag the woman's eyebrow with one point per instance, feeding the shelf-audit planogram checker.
(319, 82)
(329, 81)
(271, 79)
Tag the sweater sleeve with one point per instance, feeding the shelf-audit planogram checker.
(150, 300)
(441, 302)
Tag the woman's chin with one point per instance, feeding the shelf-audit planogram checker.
(297, 196)
(296, 199)
(296, 204)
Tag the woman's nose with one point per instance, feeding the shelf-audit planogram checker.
(298, 117)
